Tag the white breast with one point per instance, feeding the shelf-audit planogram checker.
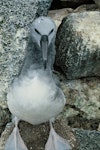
(32, 90)
(32, 100)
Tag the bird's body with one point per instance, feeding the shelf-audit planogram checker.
(34, 95)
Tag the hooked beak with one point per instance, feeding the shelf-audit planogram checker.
(44, 47)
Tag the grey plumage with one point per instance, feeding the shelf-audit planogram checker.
(34, 95)
(34, 91)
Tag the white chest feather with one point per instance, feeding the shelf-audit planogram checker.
(32, 90)
(34, 98)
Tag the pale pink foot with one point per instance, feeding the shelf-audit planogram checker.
(15, 141)
(55, 142)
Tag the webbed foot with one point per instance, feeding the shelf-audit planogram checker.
(15, 141)
(55, 142)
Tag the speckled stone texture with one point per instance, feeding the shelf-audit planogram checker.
(78, 45)
(82, 98)
(4, 118)
(88, 140)
(59, 14)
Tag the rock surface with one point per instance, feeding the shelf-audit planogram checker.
(82, 97)
(58, 15)
(88, 140)
(89, 7)
(97, 2)
(4, 118)
(78, 45)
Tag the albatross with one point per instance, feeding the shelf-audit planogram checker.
(34, 95)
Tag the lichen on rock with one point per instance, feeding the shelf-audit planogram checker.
(78, 45)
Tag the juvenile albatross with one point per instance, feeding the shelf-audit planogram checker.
(34, 95)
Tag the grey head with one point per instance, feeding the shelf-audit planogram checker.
(43, 32)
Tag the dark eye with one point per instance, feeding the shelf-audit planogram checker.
(37, 32)
(51, 31)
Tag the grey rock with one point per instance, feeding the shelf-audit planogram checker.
(78, 45)
(97, 2)
(82, 97)
(88, 140)
(4, 118)
(58, 14)
(15, 19)
(86, 7)
(5, 115)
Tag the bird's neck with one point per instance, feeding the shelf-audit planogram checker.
(34, 60)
